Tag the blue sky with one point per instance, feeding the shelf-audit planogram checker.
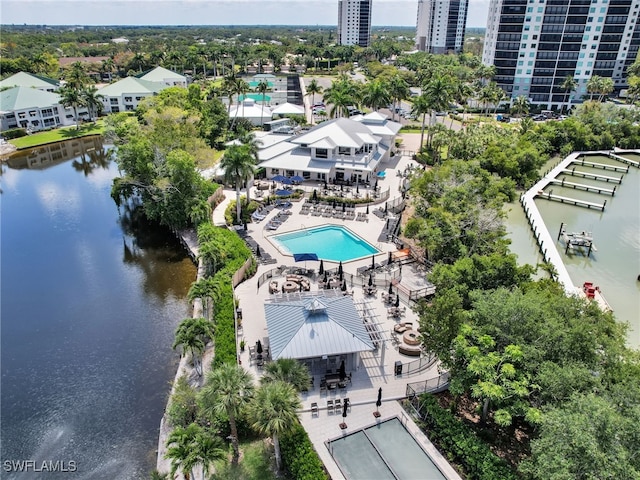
(210, 12)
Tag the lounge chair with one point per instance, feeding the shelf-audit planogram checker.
(337, 406)
(330, 406)
(314, 409)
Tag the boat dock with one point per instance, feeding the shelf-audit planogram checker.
(623, 159)
(593, 176)
(602, 166)
(571, 201)
(582, 186)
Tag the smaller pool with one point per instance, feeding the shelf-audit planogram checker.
(330, 242)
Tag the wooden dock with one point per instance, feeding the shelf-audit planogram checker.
(582, 186)
(592, 176)
(572, 201)
(602, 166)
(624, 160)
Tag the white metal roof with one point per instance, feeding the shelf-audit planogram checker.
(288, 108)
(343, 131)
(314, 327)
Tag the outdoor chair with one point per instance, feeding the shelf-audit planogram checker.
(314, 409)
(337, 406)
(330, 406)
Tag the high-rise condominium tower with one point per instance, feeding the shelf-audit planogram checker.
(441, 25)
(354, 22)
(536, 44)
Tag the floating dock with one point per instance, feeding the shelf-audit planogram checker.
(582, 186)
(593, 176)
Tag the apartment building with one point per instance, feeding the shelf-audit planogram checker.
(354, 22)
(440, 26)
(536, 44)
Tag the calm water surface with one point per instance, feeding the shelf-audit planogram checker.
(90, 299)
(616, 234)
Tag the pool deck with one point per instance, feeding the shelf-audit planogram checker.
(376, 368)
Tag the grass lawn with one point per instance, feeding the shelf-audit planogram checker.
(58, 135)
(256, 463)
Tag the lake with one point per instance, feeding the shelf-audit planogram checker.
(91, 296)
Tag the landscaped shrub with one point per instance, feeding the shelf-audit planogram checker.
(183, 408)
(14, 133)
(299, 457)
(461, 445)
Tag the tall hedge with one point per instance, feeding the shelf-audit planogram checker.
(461, 445)
(299, 457)
(233, 254)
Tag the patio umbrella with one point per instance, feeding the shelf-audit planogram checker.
(278, 178)
(258, 346)
(299, 257)
(283, 193)
(373, 262)
(325, 277)
(344, 286)
(379, 401)
(314, 197)
(344, 409)
(367, 209)
(340, 268)
(321, 269)
(325, 184)
(342, 187)
(258, 252)
(333, 204)
(357, 188)
(297, 178)
(390, 288)
(390, 259)
(397, 304)
(375, 185)
(344, 206)
(342, 372)
(286, 181)
(386, 208)
(370, 280)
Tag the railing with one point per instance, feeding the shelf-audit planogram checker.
(435, 384)
(417, 366)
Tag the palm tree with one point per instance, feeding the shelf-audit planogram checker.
(263, 88)
(228, 87)
(238, 167)
(606, 87)
(398, 90)
(274, 412)
(70, 97)
(594, 85)
(287, 370)
(462, 92)
(76, 76)
(192, 335)
(313, 88)
(569, 84)
(520, 105)
(240, 88)
(438, 92)
(376, 94)
(421, 106)
(180, 450)
(93, 101)
(228, 389)
(485, 96)
(193, 446)
(205, 289)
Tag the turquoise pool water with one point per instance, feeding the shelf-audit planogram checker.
(330, 242)
(384, 451)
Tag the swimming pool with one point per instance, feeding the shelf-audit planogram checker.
(383, 451)
(330, 242)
